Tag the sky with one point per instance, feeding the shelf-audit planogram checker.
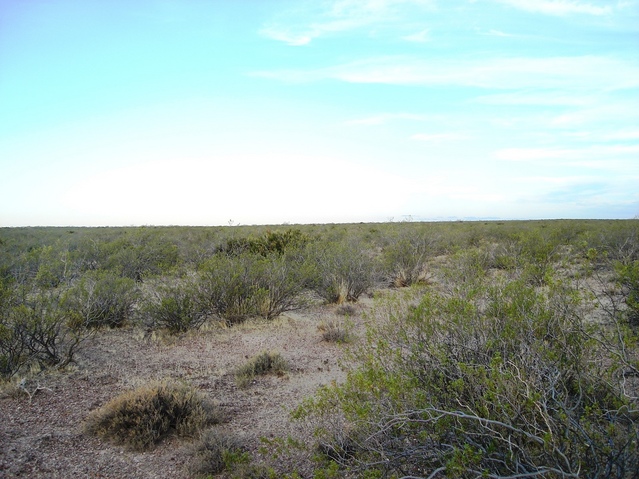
(215, 112)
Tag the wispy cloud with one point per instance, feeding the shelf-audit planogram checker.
(419, 37)
(385, 118)
(559, 7)
(301, 26)
(585, 157)
(439, 137)
(575, 73)
(497, 33)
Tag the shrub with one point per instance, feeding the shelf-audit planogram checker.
(140, 418)
(262, 364)
(271, 242)
(139, 254)
(216, 452)
(36, 330)
(405, 260)
(101, 299)
(507, 381)
(340, 272)
(538, 252)
(628, 279)
(176, 308)
(237, 287)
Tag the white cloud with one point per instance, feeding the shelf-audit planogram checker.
(439, 137)
(385, 118)
(419, 37)
(537, 98)
(558, 7)
(286, 36)
(579, 73)
(597, 156)
(301, 26)
(497, 33)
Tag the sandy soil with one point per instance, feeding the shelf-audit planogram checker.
(41, 436)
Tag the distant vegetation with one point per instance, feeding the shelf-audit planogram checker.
(495, 349)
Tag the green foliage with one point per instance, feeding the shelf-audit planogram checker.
(139, 255)
(264, 363)
(101, 299)
(176, 307)
(140, 418)
(504, 381)
(237, 287)
(405, 260)
(271, 242)
(35, 331)
(628, 279)
(340, 272)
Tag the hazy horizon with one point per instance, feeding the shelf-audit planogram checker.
(166, 112)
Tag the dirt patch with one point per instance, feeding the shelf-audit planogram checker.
(41, 436)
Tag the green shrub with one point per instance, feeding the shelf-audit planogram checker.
(237, 287)
(538, 253)
(140, 418)
(175, 307)
(262, 364)
(271, 242)
(139, 254)
(505, 381)
(36, 330)
(405, 260)
(628, 279)
(340, 272)
(101, 299)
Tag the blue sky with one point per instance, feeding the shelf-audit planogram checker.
(291, 111)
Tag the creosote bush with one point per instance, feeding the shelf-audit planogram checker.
(176, 308)
(235, 288)
(503, 381)
(140, 418)
(101, 299)
(627, 276)
(269, 243)
(404, 260)
(35, 330)
(264, 363)
(340, 272)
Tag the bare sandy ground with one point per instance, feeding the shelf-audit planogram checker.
(41, 436)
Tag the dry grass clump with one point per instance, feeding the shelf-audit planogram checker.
(140, 418)
(216, 452)
(334, 331)
(260, 365)
(346, 310)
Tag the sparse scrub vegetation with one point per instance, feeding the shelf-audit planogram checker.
(502, 381)
(140, 418)
(35, 330)
(235, 288)
(341, 272)
(175, 307)
(264, 363)
(101, 299)
(496, 349)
